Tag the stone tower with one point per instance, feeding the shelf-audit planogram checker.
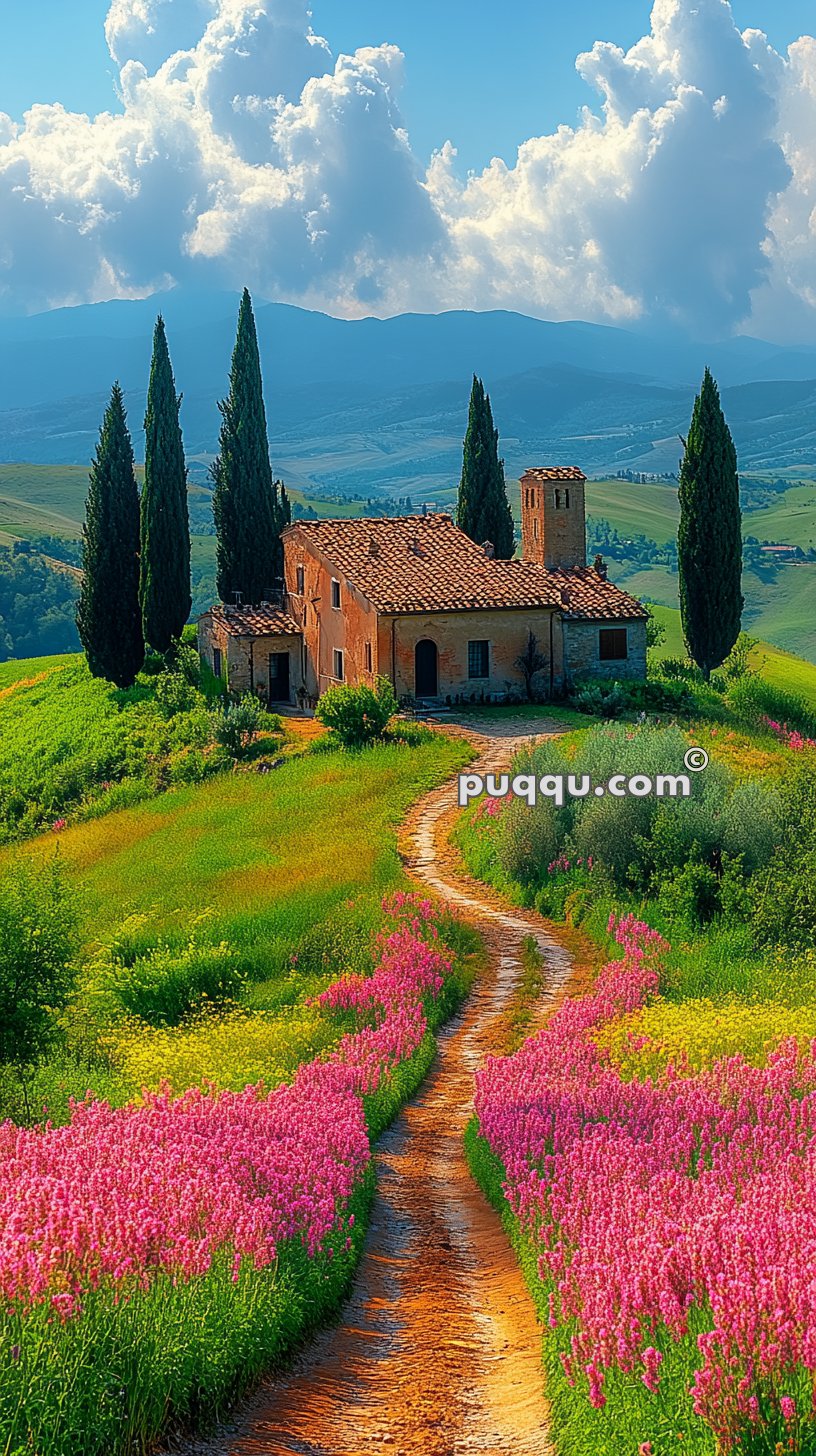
(553, 517)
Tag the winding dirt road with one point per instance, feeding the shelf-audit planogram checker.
(438, 1349)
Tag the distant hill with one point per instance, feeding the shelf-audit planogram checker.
(378, 406)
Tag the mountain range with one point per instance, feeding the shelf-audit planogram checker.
(375, 407)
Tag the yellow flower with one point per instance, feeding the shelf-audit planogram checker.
(231, 1049)
(697, 1033)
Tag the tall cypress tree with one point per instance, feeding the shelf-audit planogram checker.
(709, 539)
(250, 507)
(482, 509)
(109, 619)
(164, 588)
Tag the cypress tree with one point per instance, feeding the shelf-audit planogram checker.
(482, 508)
(164, 588)
(109, 619)
(709, 540)
(250, 508)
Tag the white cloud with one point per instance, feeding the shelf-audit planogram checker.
(246, 152)
(249, 154)
(657, 208)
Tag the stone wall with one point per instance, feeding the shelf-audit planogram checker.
(582, 650)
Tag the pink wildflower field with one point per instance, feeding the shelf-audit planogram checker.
(160, 1194)
(670, 1224)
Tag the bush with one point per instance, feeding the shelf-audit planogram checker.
(357, 715)
(527, 840)
(784, 898)
(236, 725)
(37, 945)
(753, 699)
(163, 982)
(600, 699)
(636, 842)
(175, 693)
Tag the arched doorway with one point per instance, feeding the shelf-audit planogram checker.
(426, 669)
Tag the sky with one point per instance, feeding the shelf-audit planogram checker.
(654, 159)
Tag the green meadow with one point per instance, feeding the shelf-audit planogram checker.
(781, 669)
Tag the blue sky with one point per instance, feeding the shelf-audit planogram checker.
(513, 77)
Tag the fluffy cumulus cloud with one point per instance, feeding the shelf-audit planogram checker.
(656, 205)
(245, 151)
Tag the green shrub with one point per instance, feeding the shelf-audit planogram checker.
(236, 725)
(753, 699)
(784, 898)
(357, 715)
(37, 946)
(634, 842)
(691, 895)
(175, 693)
(163, 982)
(527, 840)
(599, 699)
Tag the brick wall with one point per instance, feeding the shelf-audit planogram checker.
(504, 631)
(582, 650)
(553, 522)
(327, 628)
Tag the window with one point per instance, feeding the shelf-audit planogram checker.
(217, 661)
(566, 499)
(368, 656)
(338, 664)
(558, 500)
(301, 581)
(336, 595)
(613, 644)
(478, 659)
(535, 528)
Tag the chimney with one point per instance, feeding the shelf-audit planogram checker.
(600, 567)
(489, 549)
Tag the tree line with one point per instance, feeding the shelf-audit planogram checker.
(135, 591)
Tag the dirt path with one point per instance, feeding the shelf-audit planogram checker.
(438, 1349)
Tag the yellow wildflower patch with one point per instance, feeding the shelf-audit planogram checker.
(228, 1048)
(697, 1033)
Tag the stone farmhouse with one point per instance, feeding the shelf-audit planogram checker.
(415, 600)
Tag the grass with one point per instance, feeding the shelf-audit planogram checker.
(271, 854)
(791, 519)
(782, 669)
(522, 712)
(23, 670)
(637, 510)
(777, 604)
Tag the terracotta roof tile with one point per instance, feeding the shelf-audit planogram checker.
(556, 472)
(411, 564)
(262, 621)
(583, 593)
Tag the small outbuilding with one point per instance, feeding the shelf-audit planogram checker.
(253, 650)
